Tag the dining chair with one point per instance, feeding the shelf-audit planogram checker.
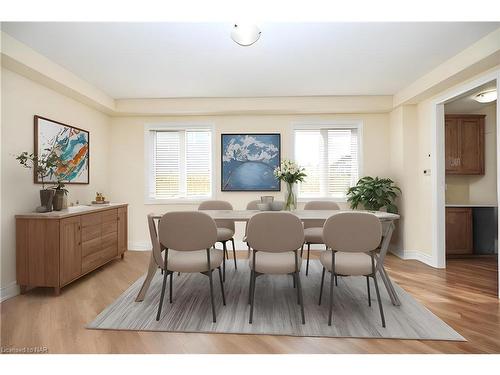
(351, 238)
(313, 229)
(187, 239)
(225, 229)
(251, 206)
(275, 238)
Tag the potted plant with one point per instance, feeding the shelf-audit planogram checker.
(374, 194)
(43, 166)
(59, 201)
(291, 173)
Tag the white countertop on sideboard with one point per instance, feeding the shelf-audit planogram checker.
(473, 205)
(70, 211)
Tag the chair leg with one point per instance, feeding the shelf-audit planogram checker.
(321, 287)
(295, 286)
(234, 255)
(222, 286)
(223, 268)
(162, 295)
(224, 247)
(379, 301)
(336, 283)
(170, 286)
(308, 253)
(248, 252)
(302, 250)
(212, 295)
(293, 278)
(252, 300)
(330, 310)
(368, 289)
(301, 302)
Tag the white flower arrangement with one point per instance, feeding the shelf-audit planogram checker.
(290, 172)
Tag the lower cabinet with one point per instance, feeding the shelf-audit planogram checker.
(459, 240)
(52, 251)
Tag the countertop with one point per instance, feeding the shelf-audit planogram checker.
(70, 211)
(472, 205)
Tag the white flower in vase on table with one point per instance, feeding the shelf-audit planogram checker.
(291, 173)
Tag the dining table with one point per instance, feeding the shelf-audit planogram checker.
(387, 220)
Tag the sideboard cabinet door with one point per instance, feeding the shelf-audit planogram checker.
(70, 249)
(122, 230)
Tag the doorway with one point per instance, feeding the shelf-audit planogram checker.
(466, 181)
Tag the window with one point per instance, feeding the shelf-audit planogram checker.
(180, 163)
(330, 155)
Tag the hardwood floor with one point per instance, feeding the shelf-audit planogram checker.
(464, 296)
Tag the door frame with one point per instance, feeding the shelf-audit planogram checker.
(438, 164)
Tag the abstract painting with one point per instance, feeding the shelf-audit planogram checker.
(248, 162)
(70, 145)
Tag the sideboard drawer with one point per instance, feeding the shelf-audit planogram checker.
(97, 259)
(92, 246)
(91, 219)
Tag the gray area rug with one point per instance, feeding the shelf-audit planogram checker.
(276, 310)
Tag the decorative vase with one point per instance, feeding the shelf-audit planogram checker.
(291, 197)
(46, 198)
(58, 201)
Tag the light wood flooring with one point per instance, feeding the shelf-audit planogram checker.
(464, 296)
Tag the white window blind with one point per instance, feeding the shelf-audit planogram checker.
(181, 164)
(330, 157)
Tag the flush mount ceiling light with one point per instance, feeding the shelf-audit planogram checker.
(486, 96)
(245, 34)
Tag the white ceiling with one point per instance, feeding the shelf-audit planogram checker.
(160, 60)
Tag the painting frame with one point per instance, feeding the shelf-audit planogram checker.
(222, 150)
(36, 133)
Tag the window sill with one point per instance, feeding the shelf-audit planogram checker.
(329, 199)
(152, 201)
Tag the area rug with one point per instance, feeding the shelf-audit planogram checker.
(276, 310)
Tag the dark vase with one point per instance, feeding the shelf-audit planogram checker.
(46, 198)
(58, 201)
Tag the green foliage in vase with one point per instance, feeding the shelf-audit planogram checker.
(374, 194)
(44, 165)
(60, 187)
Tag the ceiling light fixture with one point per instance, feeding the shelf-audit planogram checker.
(245, 34)
(486, 96)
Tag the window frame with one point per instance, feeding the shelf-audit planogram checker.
(149, 132)
(323, 125)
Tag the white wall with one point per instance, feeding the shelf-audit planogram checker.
(21, 100)
(127, 157)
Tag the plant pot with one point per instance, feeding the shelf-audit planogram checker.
(46, 198)
(58, 201)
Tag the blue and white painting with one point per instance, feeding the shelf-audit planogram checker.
(248, 162)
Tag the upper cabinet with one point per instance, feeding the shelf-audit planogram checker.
(464, 144)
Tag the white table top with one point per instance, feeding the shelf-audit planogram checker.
(245, 215)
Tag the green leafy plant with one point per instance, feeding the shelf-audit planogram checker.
(374, 194)
(60, 187)
(44, 165)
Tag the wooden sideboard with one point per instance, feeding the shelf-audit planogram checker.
(55, 248)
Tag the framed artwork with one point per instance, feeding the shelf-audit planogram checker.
(70, 144)
(248, 162)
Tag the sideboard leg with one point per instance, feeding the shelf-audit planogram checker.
(57, 290)
(123, 255)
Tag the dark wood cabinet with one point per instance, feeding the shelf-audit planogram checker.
(464, 144)
(55, 248)
(459, 231)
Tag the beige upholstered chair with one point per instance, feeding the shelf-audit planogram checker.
(251, 206)
(275, 238)
(351, 238)
(225, 229)
(187, 238)
(313, 229)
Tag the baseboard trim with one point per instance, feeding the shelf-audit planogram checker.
(414, 255)
(9, 291)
